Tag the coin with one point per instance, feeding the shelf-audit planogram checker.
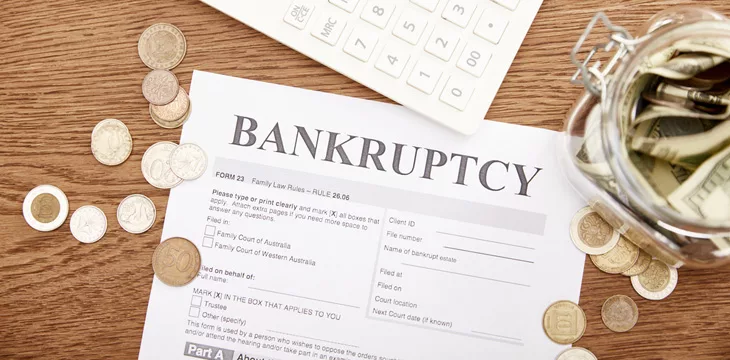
(619, 313)
(160, 87)
(591, 234)
(171, 124)
(174, 110)
(621, 258)
(642, 263)
(162, 46)
(111, 142)
(188, 161)
(176, 261)
(576, 353)
(564, 322)
(657, 282)
(45, 208)
(88, 224)
(136, 213)
(156, 165)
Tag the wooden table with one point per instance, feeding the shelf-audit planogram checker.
(66, 64)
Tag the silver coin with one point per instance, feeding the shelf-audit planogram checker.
(156, 166)
(188, 161)
(88, 224)
(576, 353)
(45, 208)
(136, 213)
(111, 142)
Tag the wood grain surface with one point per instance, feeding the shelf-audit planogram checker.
(66, 64)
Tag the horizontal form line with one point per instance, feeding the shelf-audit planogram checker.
(495, 335)
(487, 254)
(502, 339)
(485, 240)
(467, 275)
(311, 338)
(303, 297)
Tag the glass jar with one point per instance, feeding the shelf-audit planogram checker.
(660, 230)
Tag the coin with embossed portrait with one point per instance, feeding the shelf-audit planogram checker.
(160, 87)
(657, 282)
(591, 234)
(45, 208)
(162, 46)
(111, 142)
(188, 161)
(88, 224)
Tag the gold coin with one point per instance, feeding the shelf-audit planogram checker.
(162, 46)
(174, 110)
(160, 87)
(45, 208)
(619, 313)
(657, 282)
(642, 263)
(564, 322)
(619, 259)
(176, 261)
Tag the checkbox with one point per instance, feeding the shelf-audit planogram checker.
(209, 230)
(208, 242)
(194, 312)
(196, 301)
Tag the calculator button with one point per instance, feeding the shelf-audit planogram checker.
(457, 93)
(347, 5)
(474, 58)
(509, 4)
(378, 12)
(459, 12)
(298, 14)
(361, 44)
(491, 27)
(410, 26)
(328, 28)
(424, 76)
(429, 5)
(442, 43)
(392, 61)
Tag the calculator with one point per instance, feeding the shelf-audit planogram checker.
(444, 59)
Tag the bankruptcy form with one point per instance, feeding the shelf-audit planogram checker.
(342, 229)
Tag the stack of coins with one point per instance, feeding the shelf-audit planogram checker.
(162, 47)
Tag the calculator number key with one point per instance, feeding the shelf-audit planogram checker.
(347, 5)
(459, 12)
(429, 5)
(425, 76)
(457, 93)
(392, 61)
(509, 4)
(361, 44)
(378, 12)
(410, 26)
(442, 43)
(474, 59)
(298, 14)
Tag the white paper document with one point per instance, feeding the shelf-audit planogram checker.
(345, 229)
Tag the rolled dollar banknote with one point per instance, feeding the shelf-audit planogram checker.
(688, 150)
(706, 194)
(711, 45)
(686, 66)
(654, 112)
(672, 92)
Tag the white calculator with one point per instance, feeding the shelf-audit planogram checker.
(442, 58)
